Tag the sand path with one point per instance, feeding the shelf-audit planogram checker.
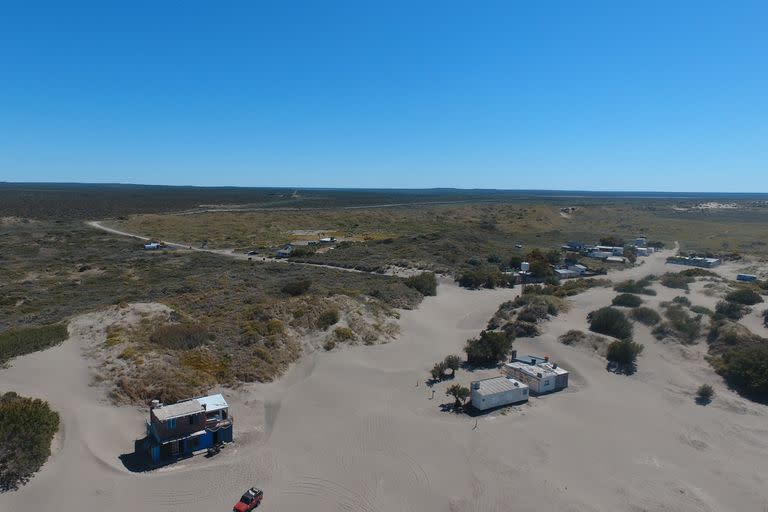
(352, 430)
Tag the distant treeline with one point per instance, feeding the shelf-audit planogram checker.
(92, 201)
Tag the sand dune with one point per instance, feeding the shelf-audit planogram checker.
(356, 430)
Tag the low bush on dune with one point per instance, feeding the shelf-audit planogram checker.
(184, 336)
(744, 296)
(686, 327)
(698, 272)
(701, 310)
(572, 337)
(731, 310)
(645, 316)
(26, 430)
(676, 280)
(490, 348)
(610, 321)
(632, 286)
(682, 301)
(483, 277)
(627, 300)
(623, 352)
(297, 287)
(746, 368)
(327, 318)
(566, 288)
(17, 342)
(704, 394)
(425, 283)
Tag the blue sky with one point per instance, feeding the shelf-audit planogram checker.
(667, 96)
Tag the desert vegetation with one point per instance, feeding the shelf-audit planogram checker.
(637, 287)
(425, 283)
(611, 322)
(24, 340)
(646, 316)
(26, 430)
(627, 300)
(488, 349)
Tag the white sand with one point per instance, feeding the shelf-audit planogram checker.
(351, 431)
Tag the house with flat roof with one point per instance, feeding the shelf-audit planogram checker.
(694, 261)
(180, 430)
(497, 392)
(540, 374)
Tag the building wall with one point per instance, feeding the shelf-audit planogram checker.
(483, 402)
(183, 426)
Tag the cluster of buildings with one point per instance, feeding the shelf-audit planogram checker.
(522, 377)
(185, 428)
(610, 253)
(694, 261)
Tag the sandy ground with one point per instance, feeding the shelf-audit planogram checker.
(357, 430)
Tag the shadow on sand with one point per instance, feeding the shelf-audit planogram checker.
(621, 369)
(139, 460)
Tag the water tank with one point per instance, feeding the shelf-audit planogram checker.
(525, 266)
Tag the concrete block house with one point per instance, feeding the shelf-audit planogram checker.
(182, 429)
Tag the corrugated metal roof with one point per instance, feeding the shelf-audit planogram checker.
(177, 410)
(497, 385)
(213, 402)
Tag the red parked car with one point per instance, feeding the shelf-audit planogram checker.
(249, 501)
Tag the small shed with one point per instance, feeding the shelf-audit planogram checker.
(151, 246)
(497, 392)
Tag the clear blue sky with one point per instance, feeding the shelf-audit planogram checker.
(636, 95)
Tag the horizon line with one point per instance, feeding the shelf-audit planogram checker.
(384, 189)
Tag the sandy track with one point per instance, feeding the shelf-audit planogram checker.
(352, 430)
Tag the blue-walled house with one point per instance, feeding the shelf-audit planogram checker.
(184, 428)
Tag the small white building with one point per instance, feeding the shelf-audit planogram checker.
(565, 273)
(151, 246)
(496, 392)
(615, 259)
(642, 251)
(540, 375)
(581, 269)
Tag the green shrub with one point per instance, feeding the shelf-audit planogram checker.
(572, 337)
(744, 296)
(327, 318)
(627, 300)
(687, 328)
(297, 287)
(682, 300)
(17, 342)
(632, 286)
(425, 283)
(483, 277)
(645, 316)
(438, 371)
(490, 348)
(732, 310)
(452, 362)
(26, 430)
(746, 368)
(344, 333)
(704, 394)
(184, 336)
(701, 310)
(676, 280)
(610, 321)
(623, 352)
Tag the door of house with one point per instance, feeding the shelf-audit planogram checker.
(174, 448)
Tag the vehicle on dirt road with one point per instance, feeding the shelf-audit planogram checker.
(250, 500)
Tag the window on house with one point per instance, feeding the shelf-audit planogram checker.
(191, 419)
(546, 383)
(171, 424)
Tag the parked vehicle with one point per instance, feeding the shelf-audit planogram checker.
(250, 500)
(215, 449)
